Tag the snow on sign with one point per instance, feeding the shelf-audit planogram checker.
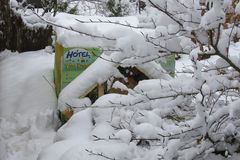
(70, 62)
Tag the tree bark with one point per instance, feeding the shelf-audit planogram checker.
(16, 36)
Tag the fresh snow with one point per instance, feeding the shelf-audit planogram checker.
(104, 67)
(90, 25)
(27, 102)
(187, 117)
(27, 127)
(81, 137)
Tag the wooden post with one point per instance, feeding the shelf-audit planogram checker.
(100, 90)
(57, 68)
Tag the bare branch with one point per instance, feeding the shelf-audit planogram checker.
(109, 22)
(99, 154)
(165, 12)
(74, 30)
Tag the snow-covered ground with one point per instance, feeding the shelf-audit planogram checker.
(27, 101)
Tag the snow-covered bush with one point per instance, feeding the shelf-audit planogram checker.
(192, 116)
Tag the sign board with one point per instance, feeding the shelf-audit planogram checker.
(70, 62)
(168, 63)
(75, 61)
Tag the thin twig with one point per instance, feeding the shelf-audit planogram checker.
(99, 154)
(74, 30)
(109, 22)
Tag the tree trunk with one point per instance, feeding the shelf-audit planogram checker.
(16, 36)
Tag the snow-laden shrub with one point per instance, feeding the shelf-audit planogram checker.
(192, 116)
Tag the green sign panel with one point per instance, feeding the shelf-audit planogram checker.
(75, 61)
(168, 63)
